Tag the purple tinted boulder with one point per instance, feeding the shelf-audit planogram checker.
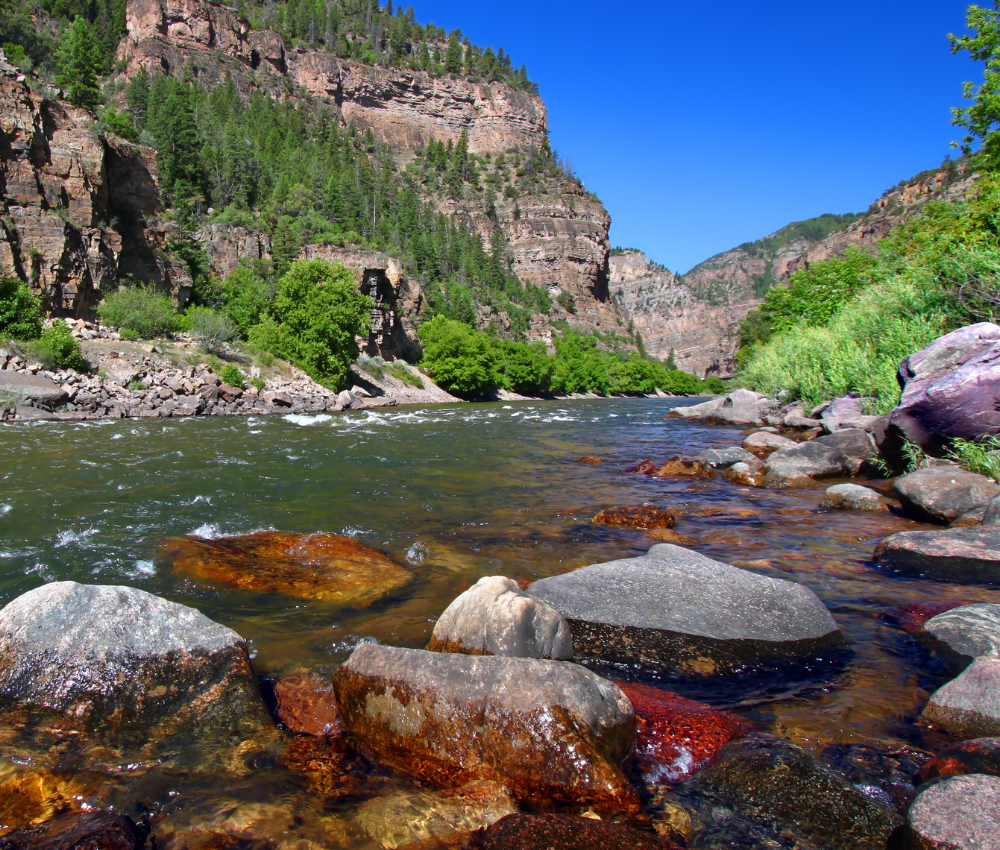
(950, 389)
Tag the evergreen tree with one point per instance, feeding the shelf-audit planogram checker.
(453, 58)
(77, 64)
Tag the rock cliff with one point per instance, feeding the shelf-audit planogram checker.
(79, 210)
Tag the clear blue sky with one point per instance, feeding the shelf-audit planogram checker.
(704, 125)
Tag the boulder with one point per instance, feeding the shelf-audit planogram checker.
(676, 737)
(949, 391)
(332, 767)
(33, 388)
(778, 783)
(644, 467)
(942, 494)
(991, 516)
(325, 567)
(962, 634)
(304, 703)
(693, 411)
(86, 831)
(590, 460)
(806, 461)
(959, 813)
(980, 755)
(853, 442)
(494, 617)
(742, 417)
(969, 705)
(689, 467)
(546, 730)
(119, 658)
(954, 554)
(563, 832)
(854, 497)
(763, 443)
(724, 458)
(676, 610)
(745, 474)
(635, 516)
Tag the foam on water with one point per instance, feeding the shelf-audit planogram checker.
(145, 568)
(5, 509)
(66, 538)
(210, 530)
(304, 420)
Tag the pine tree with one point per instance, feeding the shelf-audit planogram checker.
(137, 98)
(77, 63)
(453, 58)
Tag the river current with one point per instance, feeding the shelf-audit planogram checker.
(455, 492)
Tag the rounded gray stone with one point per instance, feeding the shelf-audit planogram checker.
(942, 494)
(26, 387)
(969, 705)
(964, 633)
(958, 813)
(854, 497)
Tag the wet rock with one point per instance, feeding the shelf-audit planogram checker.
(676, 737)
(689, 467)
(763, 443)
(856, 444)
(693, 411)
(960, 813)
(635, 516)
(969, 705)
(563, 832)
(546, 730)
(645, 467)
(667, 535)
(744, 474)
(980, 755)
(334, 769)
(676, 610)
(781, 784)
(854, 497)
(30, 796)
(120, 658)
(305, 704)
(724, 458)
(797, 467)
(943, 493)
(590, 459)
(955, 554)
(326, 567)
(493, 617)
(87, 831)
(964, 633)
(913, 617)
(887, 775)
(411, 818)
(32, 388)
(737, 416)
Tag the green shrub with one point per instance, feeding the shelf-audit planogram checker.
(57, 348)
(233, 376)
(140, 310)
(212, 329)
(402, 373)
(567, 301)
(979, 456)
(526, 367)
(714, 385)
(246, 297)
(20, 310)
(458, 358)
(258, 383)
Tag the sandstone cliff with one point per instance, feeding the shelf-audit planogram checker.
(79, 211)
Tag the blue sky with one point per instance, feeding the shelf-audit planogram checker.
(702, 126)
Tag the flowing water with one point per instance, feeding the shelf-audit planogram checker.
(454, 493)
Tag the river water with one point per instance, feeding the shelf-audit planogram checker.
(454, 492)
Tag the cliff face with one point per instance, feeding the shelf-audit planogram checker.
(78, 211)
(696, 316)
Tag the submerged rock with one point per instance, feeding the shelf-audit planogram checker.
(799, 466)
(546, 730)
(782, 785)
(686, 467)
(763, 443)
(635, 516)
(31, 796)
(745, 474)
(959, 554)
(942, 494)
(980, 755)
(960, 813)
(676, 610)
(724, 458)
(563, 832)
(962, 634)
(644, 467)
(590, 459)
(87, 831)
(676, 737)
(854, 497)
(304, 703)
(494, 617)
(119, 658)
(969, 705)
(324, 567)
(334, 769)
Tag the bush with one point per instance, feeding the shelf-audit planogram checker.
(981, 457)
(402, 373)
(20, 310)
(714, 385)
(233, 376)
(246, 296)
(458, 358)
(526, 367)
(318, 313)
(57, 348)
(140, 310)
(213, 330)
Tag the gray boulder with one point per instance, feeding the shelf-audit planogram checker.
(23, 387)
(958, 813)
(991, 516)
(942, 494)
(693, 411)
(493, 617)
(949, 390)
(120, 658)
(853, 442)
(964, 633)
(854, 497)
(724, 458)
(676, 610)
(969, 705)
(954, 554)
(764, 443)
(799, 466)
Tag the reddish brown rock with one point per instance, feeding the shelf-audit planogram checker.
(635, 516)
(764, 443)
(676, 737)
(305, 704)
(688, 467)
(549, 731)
(333, 766)
(590, 459)
(912, 617)
(325, 567)
(980, 755)
(87, 831)
(33, 796)
(645, 467)
(745, 475)
(666, 535)
(562, 832)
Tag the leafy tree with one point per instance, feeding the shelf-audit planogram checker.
(77, 63)
(20, 310)
(525, 367)
(459, 358)
(317, 314)
(247, 295)
(982, 118)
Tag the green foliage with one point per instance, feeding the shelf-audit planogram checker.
(20, 310)
(139, 310)
(458, 358)
(567, 301)
(112, 121)
(212, 329)
(981, 456)
(714, 385)
(981, 120)
(247, 294)
(233, 376)
(57, 348)
(525, 367)
(78, 61)
(401, 373)
(15, 54)
(314, 320)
